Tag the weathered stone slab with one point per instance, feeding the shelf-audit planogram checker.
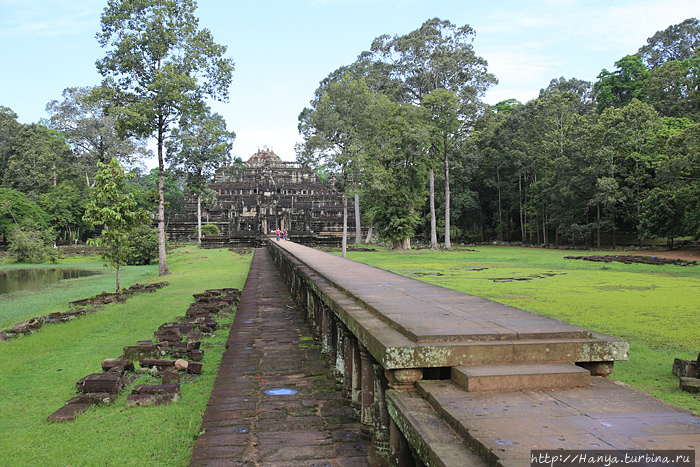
(147, 362)
(144, 400)
(194, 368)
(68, 413)
(520, 377)
(155, 389)
(124, 364)
(196, 355)
(691, 385)
(685, 368)
(139, 352)
(101, 382)
(93, 398)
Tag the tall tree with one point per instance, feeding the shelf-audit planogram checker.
(438, 55)
(676, 43)
(160, 66)
(619, 87)
(199, 146)
(91, 133)
(335, 131)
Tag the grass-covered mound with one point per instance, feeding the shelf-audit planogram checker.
(653, 306)
(39, 371)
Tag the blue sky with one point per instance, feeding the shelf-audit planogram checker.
(282, 49)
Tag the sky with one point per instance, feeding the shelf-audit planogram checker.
(284, 48)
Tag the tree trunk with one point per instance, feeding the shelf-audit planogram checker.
(521, 215)
(199, 218)
(597, 204)
(118, 279)
(358, 223)
(369, 235)
(162, 260)
(345, 215)
(433, 222)
(448, 243)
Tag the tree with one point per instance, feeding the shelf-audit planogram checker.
(65, 205)
(35, 160)
(438, 55)
(396, 189)
(32, 243)
(443, 114)
(619, 87)
(676, 43)
(91, 133)
(336, 131)
(16, 209)
(662, 216)
(199, 146)
(160, 67)
(111, 207)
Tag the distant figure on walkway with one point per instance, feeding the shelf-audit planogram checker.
(284, 234)
(278, 234)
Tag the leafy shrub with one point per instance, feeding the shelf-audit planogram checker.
(209, 229)
(143, 245)
(32, 243)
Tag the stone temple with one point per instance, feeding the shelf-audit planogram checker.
(267, 194)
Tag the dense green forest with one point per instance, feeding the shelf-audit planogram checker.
(406, 129)
(619, 155)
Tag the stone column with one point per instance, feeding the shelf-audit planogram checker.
(367, 394)
(356, 375)
(400, 455)
(403, 379)
(339, 368)
(348, 353)
(379, 454)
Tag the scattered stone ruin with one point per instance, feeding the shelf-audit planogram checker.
(265, 195)
(78, 308)
(688, 374)
(179, 340)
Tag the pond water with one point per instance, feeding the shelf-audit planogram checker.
(12, 280)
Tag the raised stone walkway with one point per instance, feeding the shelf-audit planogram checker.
(269, 347)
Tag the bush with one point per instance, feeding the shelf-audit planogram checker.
(33, 243)
(143, 245)
(209, 229)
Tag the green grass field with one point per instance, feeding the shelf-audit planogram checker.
(39, 371)
(653, 307)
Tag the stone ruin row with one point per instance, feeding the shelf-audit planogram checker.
(179, 340)
(84, 306)
(629, 259)
(688, 372)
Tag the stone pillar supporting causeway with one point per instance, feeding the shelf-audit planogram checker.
(400, 452)
(348, 355)
(356, 398)
(367, 393)
(380, 452)
(339, 368)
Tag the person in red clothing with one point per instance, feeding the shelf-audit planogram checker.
(277, 232)
(284, 234)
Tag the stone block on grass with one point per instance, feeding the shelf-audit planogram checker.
(68, 413)
(101, 382)
(93, 398)
(144, 400)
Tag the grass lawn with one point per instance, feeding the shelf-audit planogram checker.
(39, 371)
(653, 307)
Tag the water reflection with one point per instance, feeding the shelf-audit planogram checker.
(12, 280)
